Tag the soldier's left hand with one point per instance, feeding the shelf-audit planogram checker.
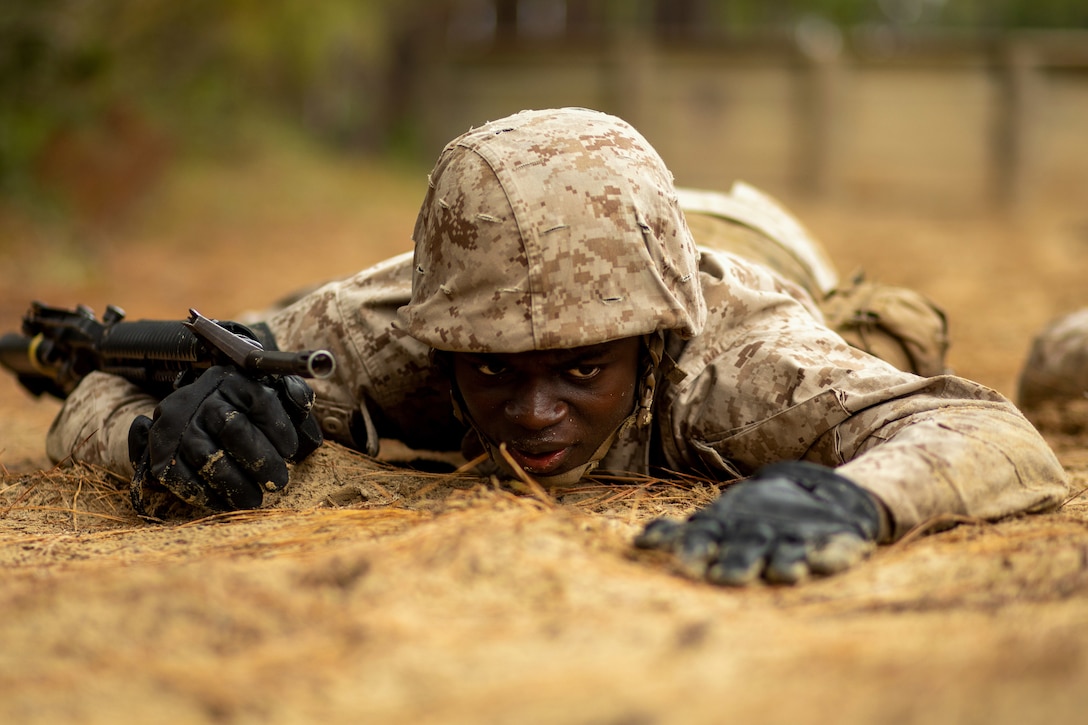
(788, 521)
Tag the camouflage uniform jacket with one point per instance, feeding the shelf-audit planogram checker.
(766, 380)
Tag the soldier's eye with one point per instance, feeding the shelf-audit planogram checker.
(584, 372)
(490, 368)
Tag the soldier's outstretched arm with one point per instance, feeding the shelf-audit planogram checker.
(771, 384)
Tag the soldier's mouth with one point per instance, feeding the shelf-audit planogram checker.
(542, 462)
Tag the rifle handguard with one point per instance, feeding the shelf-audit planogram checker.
(60, 347)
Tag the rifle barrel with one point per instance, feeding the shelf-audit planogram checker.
(308, 364)
(16, 354)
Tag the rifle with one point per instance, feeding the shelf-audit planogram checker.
(59, 347)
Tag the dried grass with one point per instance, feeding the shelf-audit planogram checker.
(85, 499)
(66, 497)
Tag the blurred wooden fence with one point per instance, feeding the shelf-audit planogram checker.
(935, 119)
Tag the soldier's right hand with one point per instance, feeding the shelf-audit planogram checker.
(223, 440)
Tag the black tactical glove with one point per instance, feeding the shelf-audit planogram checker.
(789, 520)
(224, 439)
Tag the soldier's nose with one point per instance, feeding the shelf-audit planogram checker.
(535, 407)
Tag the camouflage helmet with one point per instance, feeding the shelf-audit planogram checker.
(547, 230)
(1056, 371)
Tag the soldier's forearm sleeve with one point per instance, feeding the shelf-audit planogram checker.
(93, 423)
(972, 458)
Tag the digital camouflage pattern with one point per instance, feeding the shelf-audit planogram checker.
(764, 380)
(551, 229)
(896, 324)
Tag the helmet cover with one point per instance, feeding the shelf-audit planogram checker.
(548, 230)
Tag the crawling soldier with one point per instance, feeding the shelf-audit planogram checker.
(558, 316)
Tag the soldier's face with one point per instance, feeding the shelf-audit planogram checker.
(552, 408)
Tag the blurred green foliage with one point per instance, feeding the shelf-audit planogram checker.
(196, 70)
(80, 79)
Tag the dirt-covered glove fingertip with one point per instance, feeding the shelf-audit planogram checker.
(658, 534)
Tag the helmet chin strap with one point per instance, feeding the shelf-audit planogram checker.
(642, 416)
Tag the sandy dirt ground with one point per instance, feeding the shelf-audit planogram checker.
(365, 594)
